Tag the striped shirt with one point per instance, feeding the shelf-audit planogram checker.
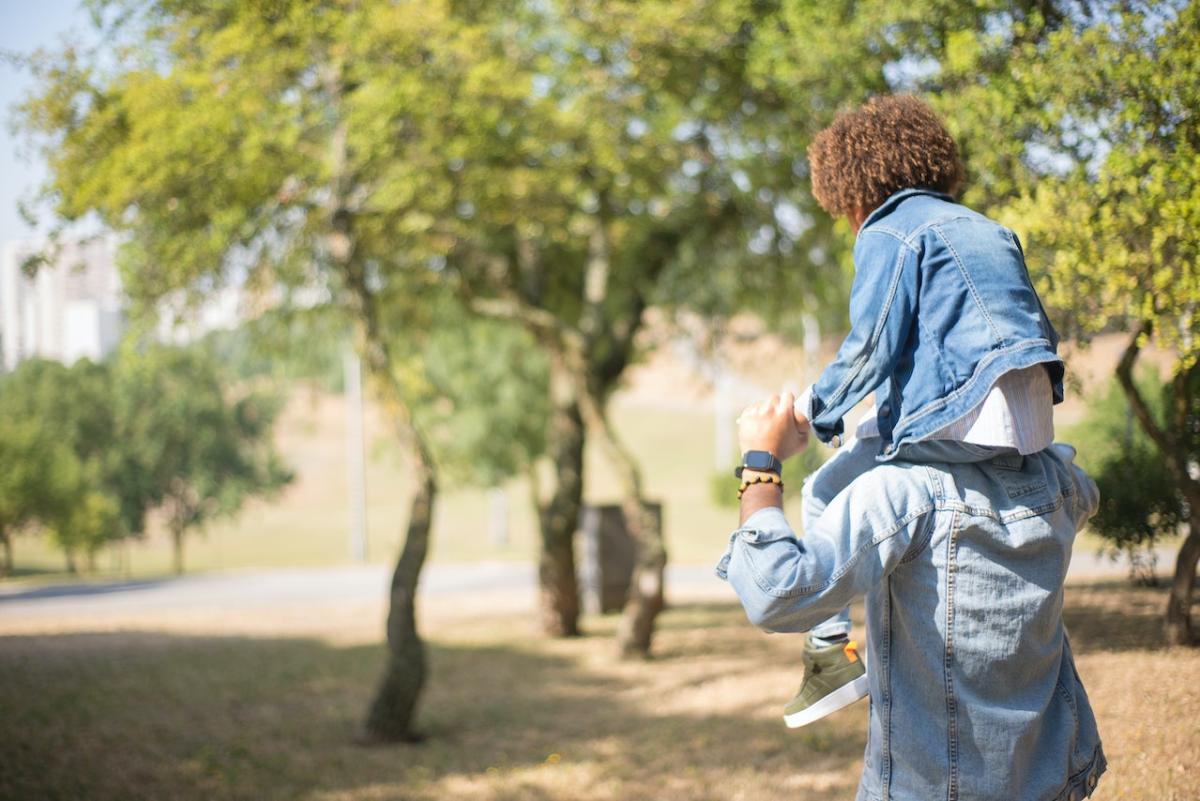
(1018, 413)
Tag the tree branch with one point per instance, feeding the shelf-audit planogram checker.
(1175, 460)
(540, 321)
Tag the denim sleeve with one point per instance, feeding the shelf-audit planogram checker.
(786, 583)
(882, 309)
(1085, 496)
(1051, 333)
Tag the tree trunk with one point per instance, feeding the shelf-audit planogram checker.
(559, 517)
(636, 630)
(391, 715)
(6, 568)
(1178, 621)
(177, 548)
(1178, 626)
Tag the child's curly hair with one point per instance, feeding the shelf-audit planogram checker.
(891, 142)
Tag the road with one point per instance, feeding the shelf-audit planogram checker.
(250, 590)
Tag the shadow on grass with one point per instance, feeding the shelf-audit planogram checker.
(78, 589)
(1115, 616)
(127, 715)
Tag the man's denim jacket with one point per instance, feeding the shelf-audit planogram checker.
(974, 693)
(941, 306)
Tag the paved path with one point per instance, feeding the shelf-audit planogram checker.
(242, 590)
(245, 590)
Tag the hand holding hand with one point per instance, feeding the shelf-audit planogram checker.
(772, 425)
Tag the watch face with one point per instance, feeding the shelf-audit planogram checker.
(758, 460)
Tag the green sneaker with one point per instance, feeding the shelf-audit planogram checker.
(834, 677)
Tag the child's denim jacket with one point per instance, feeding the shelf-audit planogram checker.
(974, 693)
(941, 307)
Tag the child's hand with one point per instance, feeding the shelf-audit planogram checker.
(771, 425)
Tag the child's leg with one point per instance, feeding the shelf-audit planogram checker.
(824, 483)
(847, 464)
(835, 629)
(947, 450)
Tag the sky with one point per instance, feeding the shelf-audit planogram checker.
(25, 25)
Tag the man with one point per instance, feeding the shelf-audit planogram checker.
(974, 693)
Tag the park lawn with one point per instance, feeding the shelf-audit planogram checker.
(182, 712)
(308, 524)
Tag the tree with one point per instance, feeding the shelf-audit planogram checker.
(1139, 503)
(38, 476)
(1102, 180)
(238, 143)
(584, 160)
(607, 156)
(374, 149)
(94, 496)
(486, 400)
(198, 453)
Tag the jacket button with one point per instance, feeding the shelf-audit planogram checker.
(885, 410)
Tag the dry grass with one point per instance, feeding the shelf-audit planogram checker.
(175, 714)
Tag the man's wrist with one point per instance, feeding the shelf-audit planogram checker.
(760, 496)
(760, 460)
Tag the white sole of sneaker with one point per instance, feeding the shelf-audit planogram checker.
(841, 697)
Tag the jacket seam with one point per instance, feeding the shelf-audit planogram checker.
(895, 233)
(948, 663)
(1096, 766)
(920, 541)
(962, 268)
(874, 542)
(923, 227)
(873, 343)
(1011, 517)
(946, 374)
(885, 762)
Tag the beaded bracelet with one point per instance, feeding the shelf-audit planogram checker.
(761, 478)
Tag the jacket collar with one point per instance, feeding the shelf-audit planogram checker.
(895, 199)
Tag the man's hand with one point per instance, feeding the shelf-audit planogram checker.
(771, 425)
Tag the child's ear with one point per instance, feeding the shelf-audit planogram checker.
(857, 217)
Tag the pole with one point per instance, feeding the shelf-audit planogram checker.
(498, 517)
(724, 436)
(356, 457)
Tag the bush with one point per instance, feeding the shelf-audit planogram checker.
(1138, 502)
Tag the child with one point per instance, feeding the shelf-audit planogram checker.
(948, 332)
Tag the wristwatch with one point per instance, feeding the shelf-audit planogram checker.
(764, 461)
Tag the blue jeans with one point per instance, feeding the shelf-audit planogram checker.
(848, 463)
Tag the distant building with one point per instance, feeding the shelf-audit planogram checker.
(70, 309)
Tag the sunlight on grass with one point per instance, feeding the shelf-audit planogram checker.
(171, 714)
(308, 524)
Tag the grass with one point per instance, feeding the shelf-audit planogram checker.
(183, 712)
(308, 524)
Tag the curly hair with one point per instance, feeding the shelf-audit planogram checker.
(891, 142)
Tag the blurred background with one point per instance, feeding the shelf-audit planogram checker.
(368, 372)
